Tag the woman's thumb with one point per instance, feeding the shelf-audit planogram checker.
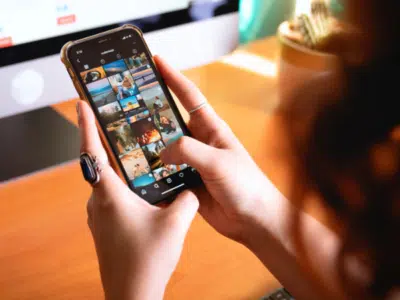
(184, 208)
(192, 152)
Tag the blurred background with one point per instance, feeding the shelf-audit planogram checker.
(261, 18)
(31, 75)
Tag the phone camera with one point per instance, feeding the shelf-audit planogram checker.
(102, 61)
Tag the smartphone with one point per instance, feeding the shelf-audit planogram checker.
(136, 114)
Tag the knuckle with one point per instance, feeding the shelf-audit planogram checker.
(221, 136)
(182, 143)
(216, 136)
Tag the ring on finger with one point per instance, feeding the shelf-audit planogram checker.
(91, 168)
(198, 107)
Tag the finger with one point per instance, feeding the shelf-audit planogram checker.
(89, 210)
(110, 183)
(90, 225)
(90, 139)
(206, 201)
(184, 208)
(194, 153)
(205, 122)
(187, 92)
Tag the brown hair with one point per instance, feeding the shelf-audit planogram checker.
(346, 139)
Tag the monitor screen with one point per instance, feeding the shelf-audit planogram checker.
(51, 18)
(34, 29)
(32, 33)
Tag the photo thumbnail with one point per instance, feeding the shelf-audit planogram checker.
(145, 132)
(115, 67)
(121, 136)
(93, 75)
(145, 78)
(135, 164)
(152, 153)
(155, 99)
(137, 62)
(165, 172)
(143, 180)
(181, 167)
(168, 126)
(111, 112)
(139, 98)
(123, 85)
(101, 92)
(137, 115)
(129, 104)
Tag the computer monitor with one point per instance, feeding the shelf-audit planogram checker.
(187, 33)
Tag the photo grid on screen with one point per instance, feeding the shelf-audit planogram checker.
(136, 115)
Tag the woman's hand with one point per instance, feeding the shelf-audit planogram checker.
(235, 186)
(241, 203)
(138, 245)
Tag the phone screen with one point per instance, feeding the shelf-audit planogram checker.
(135, 110)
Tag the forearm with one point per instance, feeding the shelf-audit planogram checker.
(270, 238)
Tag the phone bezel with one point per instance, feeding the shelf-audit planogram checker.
(84, 93)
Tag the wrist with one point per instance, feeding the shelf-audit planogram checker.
(141, 286)
(266, 219)
(138, 291)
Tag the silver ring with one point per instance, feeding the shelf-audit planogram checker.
(91, 168)
(198, 107)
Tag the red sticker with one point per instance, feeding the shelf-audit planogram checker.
(6, 42)
(66, 20)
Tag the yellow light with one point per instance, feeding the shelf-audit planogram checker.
(251, 63)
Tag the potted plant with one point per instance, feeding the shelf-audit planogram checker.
(303, 41)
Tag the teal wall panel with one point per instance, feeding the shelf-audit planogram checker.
(261, 18)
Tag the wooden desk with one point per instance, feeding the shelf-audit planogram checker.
(46, 251)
